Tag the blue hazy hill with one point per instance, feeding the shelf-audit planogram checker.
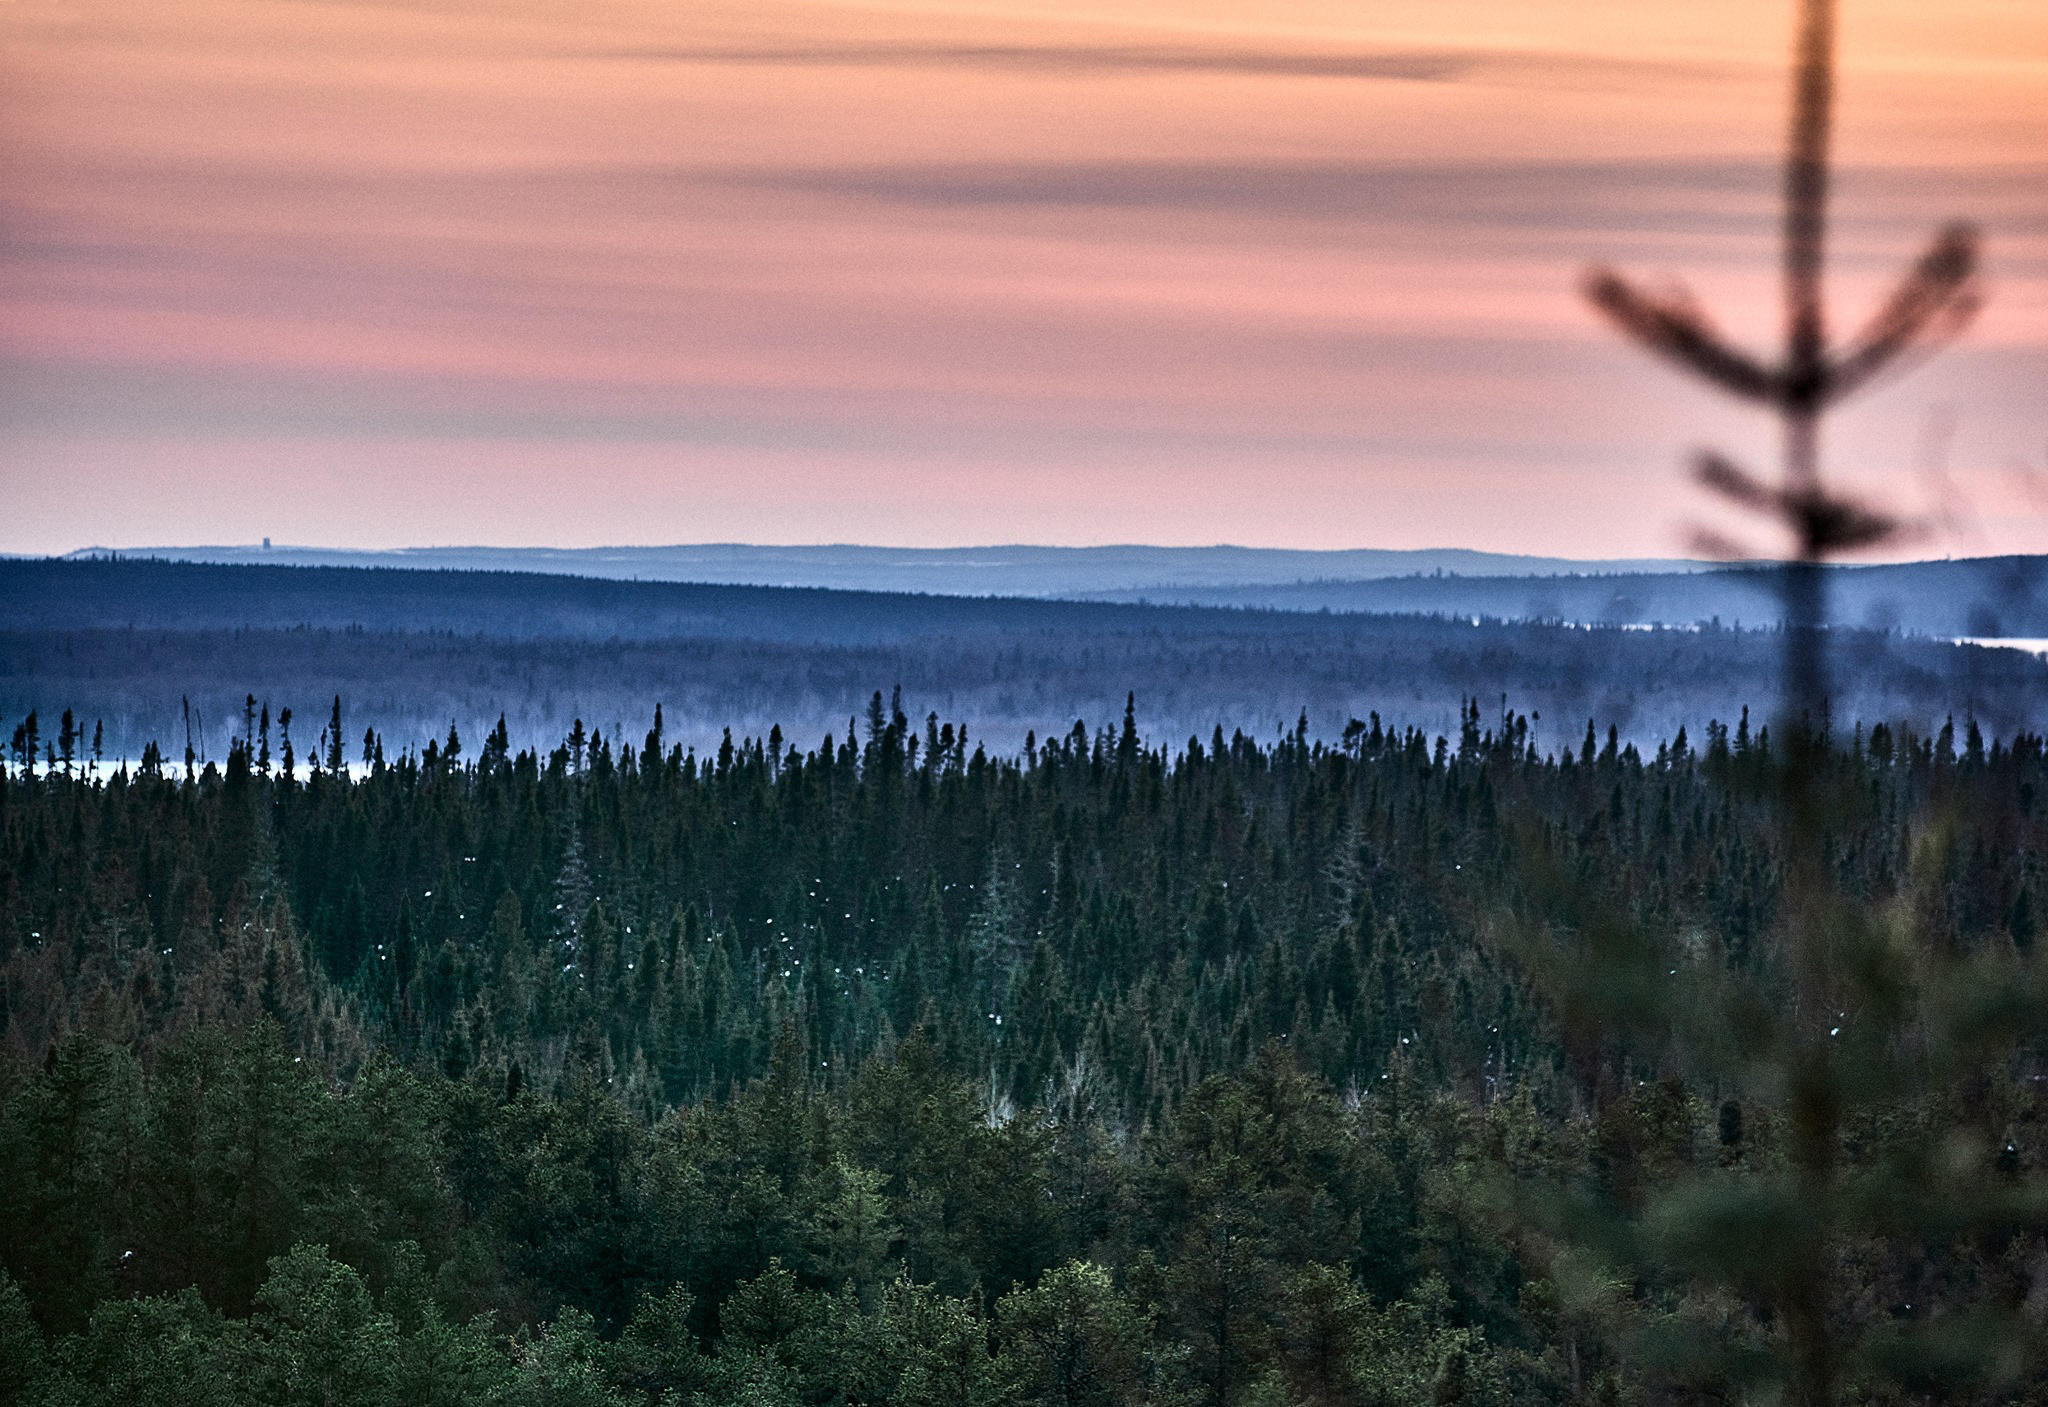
(1012, 570)
(1986, 596)
(410, 653)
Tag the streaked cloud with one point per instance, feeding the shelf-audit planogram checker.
(1701, 196)
(1433, 65)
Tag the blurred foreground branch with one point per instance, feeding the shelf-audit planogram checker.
(1874, 1058)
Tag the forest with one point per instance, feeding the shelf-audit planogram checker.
(887, 1068)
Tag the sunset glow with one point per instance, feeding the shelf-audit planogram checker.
(1208, 270)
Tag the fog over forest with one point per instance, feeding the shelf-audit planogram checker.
(128, 645)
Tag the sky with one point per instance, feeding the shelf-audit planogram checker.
(970, 271)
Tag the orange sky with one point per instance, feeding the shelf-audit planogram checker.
(509, 271)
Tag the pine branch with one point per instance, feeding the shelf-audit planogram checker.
(1933, 303)
(1674, 326)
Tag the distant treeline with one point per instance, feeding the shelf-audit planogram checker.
(147, 650)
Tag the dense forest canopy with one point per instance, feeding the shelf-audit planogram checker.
(882, 1069)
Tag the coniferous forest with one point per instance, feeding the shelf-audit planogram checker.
(881, 1069)
(1389, 1042)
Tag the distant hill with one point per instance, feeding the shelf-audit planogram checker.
(948, 571)
(1972, 597)
(411, 653)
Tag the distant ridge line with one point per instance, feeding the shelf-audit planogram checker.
(1013, 569)
(1981, 598)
